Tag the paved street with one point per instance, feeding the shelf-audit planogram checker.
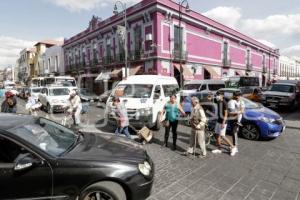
(261, 170)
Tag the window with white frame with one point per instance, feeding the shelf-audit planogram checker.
(178, 37)
(56, 63)
(248, 58)
(138, 38)
(225, 51)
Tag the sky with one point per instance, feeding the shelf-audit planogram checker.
(22, 23)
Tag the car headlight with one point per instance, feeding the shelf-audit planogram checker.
(267, 120)
(145, 111)
(145, 168)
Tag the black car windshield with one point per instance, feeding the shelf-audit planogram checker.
(59, 92)
(282, 88)
(191, 86)
(46, 135)
(134, 90)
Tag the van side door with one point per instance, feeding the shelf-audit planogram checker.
(158, 101)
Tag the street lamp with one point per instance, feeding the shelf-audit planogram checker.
(123, 5)
(187, 9)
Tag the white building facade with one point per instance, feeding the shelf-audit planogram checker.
(289, 68)
(52, 61)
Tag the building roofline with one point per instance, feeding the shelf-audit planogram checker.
(173, 5)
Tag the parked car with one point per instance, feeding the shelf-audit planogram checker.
(54, 99)
(283, 93)
(87, 96)
(258, 121)
(144, 96)
(41, 159)
(34, 91)
(202, 87)
(246, 84)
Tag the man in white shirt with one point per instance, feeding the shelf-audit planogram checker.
(75, 107)
(235, 111)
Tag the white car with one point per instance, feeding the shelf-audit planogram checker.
(54, 99)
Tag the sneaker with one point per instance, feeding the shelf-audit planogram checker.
(233, 151)
(216, 151)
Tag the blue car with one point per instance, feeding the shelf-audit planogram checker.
(258, 121)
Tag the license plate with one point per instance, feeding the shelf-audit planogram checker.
(92, 100)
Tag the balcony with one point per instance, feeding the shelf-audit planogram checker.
(135, 55)
(107, 60)
(120, 58)
(179, 55)
(249, 67)
(226, 63)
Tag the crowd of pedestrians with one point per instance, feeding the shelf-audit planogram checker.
(226, 113)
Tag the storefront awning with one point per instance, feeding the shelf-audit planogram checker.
(103, 76)
(116, 73)
(239, 72)
(134, 70)
(213, 72)
(187, 74)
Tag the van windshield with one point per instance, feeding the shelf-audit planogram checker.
(134, 90)
(215, 87)
(191, 86)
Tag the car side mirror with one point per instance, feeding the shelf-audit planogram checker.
(24, 162)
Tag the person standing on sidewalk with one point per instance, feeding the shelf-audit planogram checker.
(235, 109)
(221, 125)
(198, 122)
(121, 117)
(171, 109)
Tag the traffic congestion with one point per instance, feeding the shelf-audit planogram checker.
(136, 106)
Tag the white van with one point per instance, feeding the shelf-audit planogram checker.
(144, 96)
(204, 86)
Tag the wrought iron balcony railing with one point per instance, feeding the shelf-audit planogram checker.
(179, 55)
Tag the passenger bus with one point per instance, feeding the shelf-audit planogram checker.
(65, 81)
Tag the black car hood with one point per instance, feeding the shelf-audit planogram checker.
(94, 147)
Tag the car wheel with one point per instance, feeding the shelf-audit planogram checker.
(250, 132)
(157, 123)
(104, 190)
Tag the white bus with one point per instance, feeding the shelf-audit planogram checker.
(65, 81)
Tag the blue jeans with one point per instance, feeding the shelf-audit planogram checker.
(124, 130)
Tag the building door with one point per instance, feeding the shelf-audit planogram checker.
(177, 75)
(207, 75)
(263, 80)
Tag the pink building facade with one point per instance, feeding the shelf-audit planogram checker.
(200, 48)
